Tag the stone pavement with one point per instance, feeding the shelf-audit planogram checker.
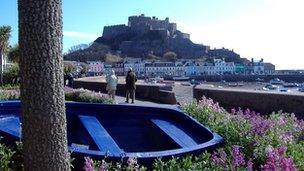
(137, 102)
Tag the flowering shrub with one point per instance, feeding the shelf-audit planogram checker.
(249, 136)
(78, 95)
(252, 141)
(276, 160)
(82, 95)
(132, 165)
(9, 94)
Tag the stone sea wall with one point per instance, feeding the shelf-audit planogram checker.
(262, 102)
(152, 93)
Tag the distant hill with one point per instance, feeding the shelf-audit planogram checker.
(145, 36)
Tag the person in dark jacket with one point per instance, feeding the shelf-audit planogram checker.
(130, 85)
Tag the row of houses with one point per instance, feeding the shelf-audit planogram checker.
(179, 68)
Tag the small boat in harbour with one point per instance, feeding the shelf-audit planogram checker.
(276, 81)
(181, 78)
(270, 87)
(290, 85)
(113, 131)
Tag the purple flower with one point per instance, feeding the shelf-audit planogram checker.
(88, 164)
(288, 165)
(103, 166)
(276, 160)
(238, 157)
(209, 103)
(249, 165)
(220, 158)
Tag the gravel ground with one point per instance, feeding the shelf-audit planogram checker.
(183, 92)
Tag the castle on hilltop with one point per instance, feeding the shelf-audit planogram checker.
(144, 36)
(140, 25)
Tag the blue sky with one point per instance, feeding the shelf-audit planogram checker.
(269, 29)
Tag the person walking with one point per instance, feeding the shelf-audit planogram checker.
(111, 84)
(130, 85)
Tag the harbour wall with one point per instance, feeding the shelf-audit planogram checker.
(152, 93)
(262, 102)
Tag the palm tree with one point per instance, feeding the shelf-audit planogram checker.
(44, 133)
(5, 32)
(14, 54)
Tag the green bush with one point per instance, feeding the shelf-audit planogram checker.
(9, 87)
(6, 155)
(11, 76)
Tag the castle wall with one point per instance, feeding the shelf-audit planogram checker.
(141, 24)
(159, 24)
(113, 31)
(172, 28)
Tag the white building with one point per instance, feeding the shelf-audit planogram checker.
(179, 69)
(222, 67)
(218, 67)
(160, 69)
(256, 67)
(138, 67)
(199, 67)
(119, 69)
(208, 68)
(190, 68)
(96, 67)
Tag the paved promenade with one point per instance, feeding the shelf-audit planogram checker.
(138, 102)
(183, 92)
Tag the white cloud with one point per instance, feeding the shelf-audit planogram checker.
(273, 32)
(80, 35)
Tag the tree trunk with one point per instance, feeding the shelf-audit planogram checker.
(44, 134)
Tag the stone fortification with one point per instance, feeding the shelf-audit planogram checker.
(145, 35)
(140, 25)
(115, 30)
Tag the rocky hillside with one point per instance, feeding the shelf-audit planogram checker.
(145, 36)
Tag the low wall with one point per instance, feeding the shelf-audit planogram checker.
(262, 102)
(145, 92)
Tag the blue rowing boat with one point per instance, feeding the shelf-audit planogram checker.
(119, 131)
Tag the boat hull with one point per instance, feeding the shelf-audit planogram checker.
(122, 131)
